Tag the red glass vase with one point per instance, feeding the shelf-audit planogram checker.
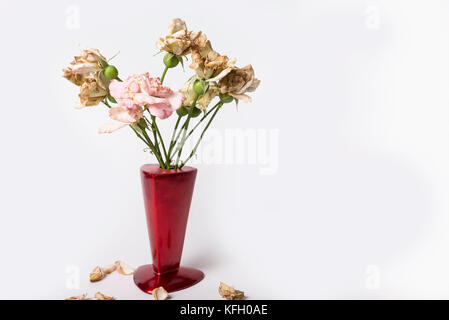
(167, 195)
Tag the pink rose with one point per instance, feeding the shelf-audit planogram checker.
(135, 94)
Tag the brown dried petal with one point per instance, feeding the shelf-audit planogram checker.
(91, 93)
(97, 274)
(124, 269)
(177, 25)
(81, 297)
(84, 66)
(160, 294)
(229, 293)
(109, 269)
(100, 296)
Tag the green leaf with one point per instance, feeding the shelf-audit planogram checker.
(112, 99)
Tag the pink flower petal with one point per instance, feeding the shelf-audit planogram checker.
(122, 114)
(116, 88)
(176, 100)
(110, 127)
(160, 110)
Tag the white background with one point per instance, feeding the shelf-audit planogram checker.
(357, 209)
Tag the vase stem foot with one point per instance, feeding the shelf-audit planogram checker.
(147, 279)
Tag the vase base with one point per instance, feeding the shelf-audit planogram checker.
(147, 279)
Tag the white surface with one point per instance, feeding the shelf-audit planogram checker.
(358, 208)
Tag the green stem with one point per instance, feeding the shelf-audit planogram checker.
(163, 74)
(105, 102)
(202, 119)
(153, 129)
(184, 130)
(191, 131)
(202, 135)
(172, 142)
(156, 129)
(146, 140)
(152, 147)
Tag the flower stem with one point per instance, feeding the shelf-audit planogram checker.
(202, 119)
(146, 139)
(151, 145)
(184, 130)
(220, 104)
(156, 129)
(163, 74)
(105, 102)
(172, 142)
(153, 129)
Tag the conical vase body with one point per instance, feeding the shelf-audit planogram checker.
(167, 196)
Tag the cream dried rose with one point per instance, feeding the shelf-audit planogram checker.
(207, 63)
(86, 71)
(179, 39)
(91, 93)
(238, 82)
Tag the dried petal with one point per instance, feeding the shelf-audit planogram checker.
(124, 269)
(239, 81)
(81, 297)
(160, 294)
(110, 127)
(97, 274)
(100, 296)
(179, 39)
(109, 269)
(229, 293)
(91, 93)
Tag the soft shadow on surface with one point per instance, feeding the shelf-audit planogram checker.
(203, 261)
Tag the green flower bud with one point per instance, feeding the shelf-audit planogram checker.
(195, 112)
(110, 72)
(200, 87)
(182, 111)
(225, 98)
(170, 60)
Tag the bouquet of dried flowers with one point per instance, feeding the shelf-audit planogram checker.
(216, 76)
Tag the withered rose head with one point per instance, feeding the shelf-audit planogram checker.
(179, 39)
(83, 66)
(86, 71)
(207, 63)
(91, 93)
(239, 81)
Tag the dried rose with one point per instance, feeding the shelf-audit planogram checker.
(81, 297)
(91, 94)
(84, 66)
(239, 81)
(229, 293)
(207, 63)
(179, 39)
(86, 71)
(160, 294)
(123, 268)
(100, 296)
